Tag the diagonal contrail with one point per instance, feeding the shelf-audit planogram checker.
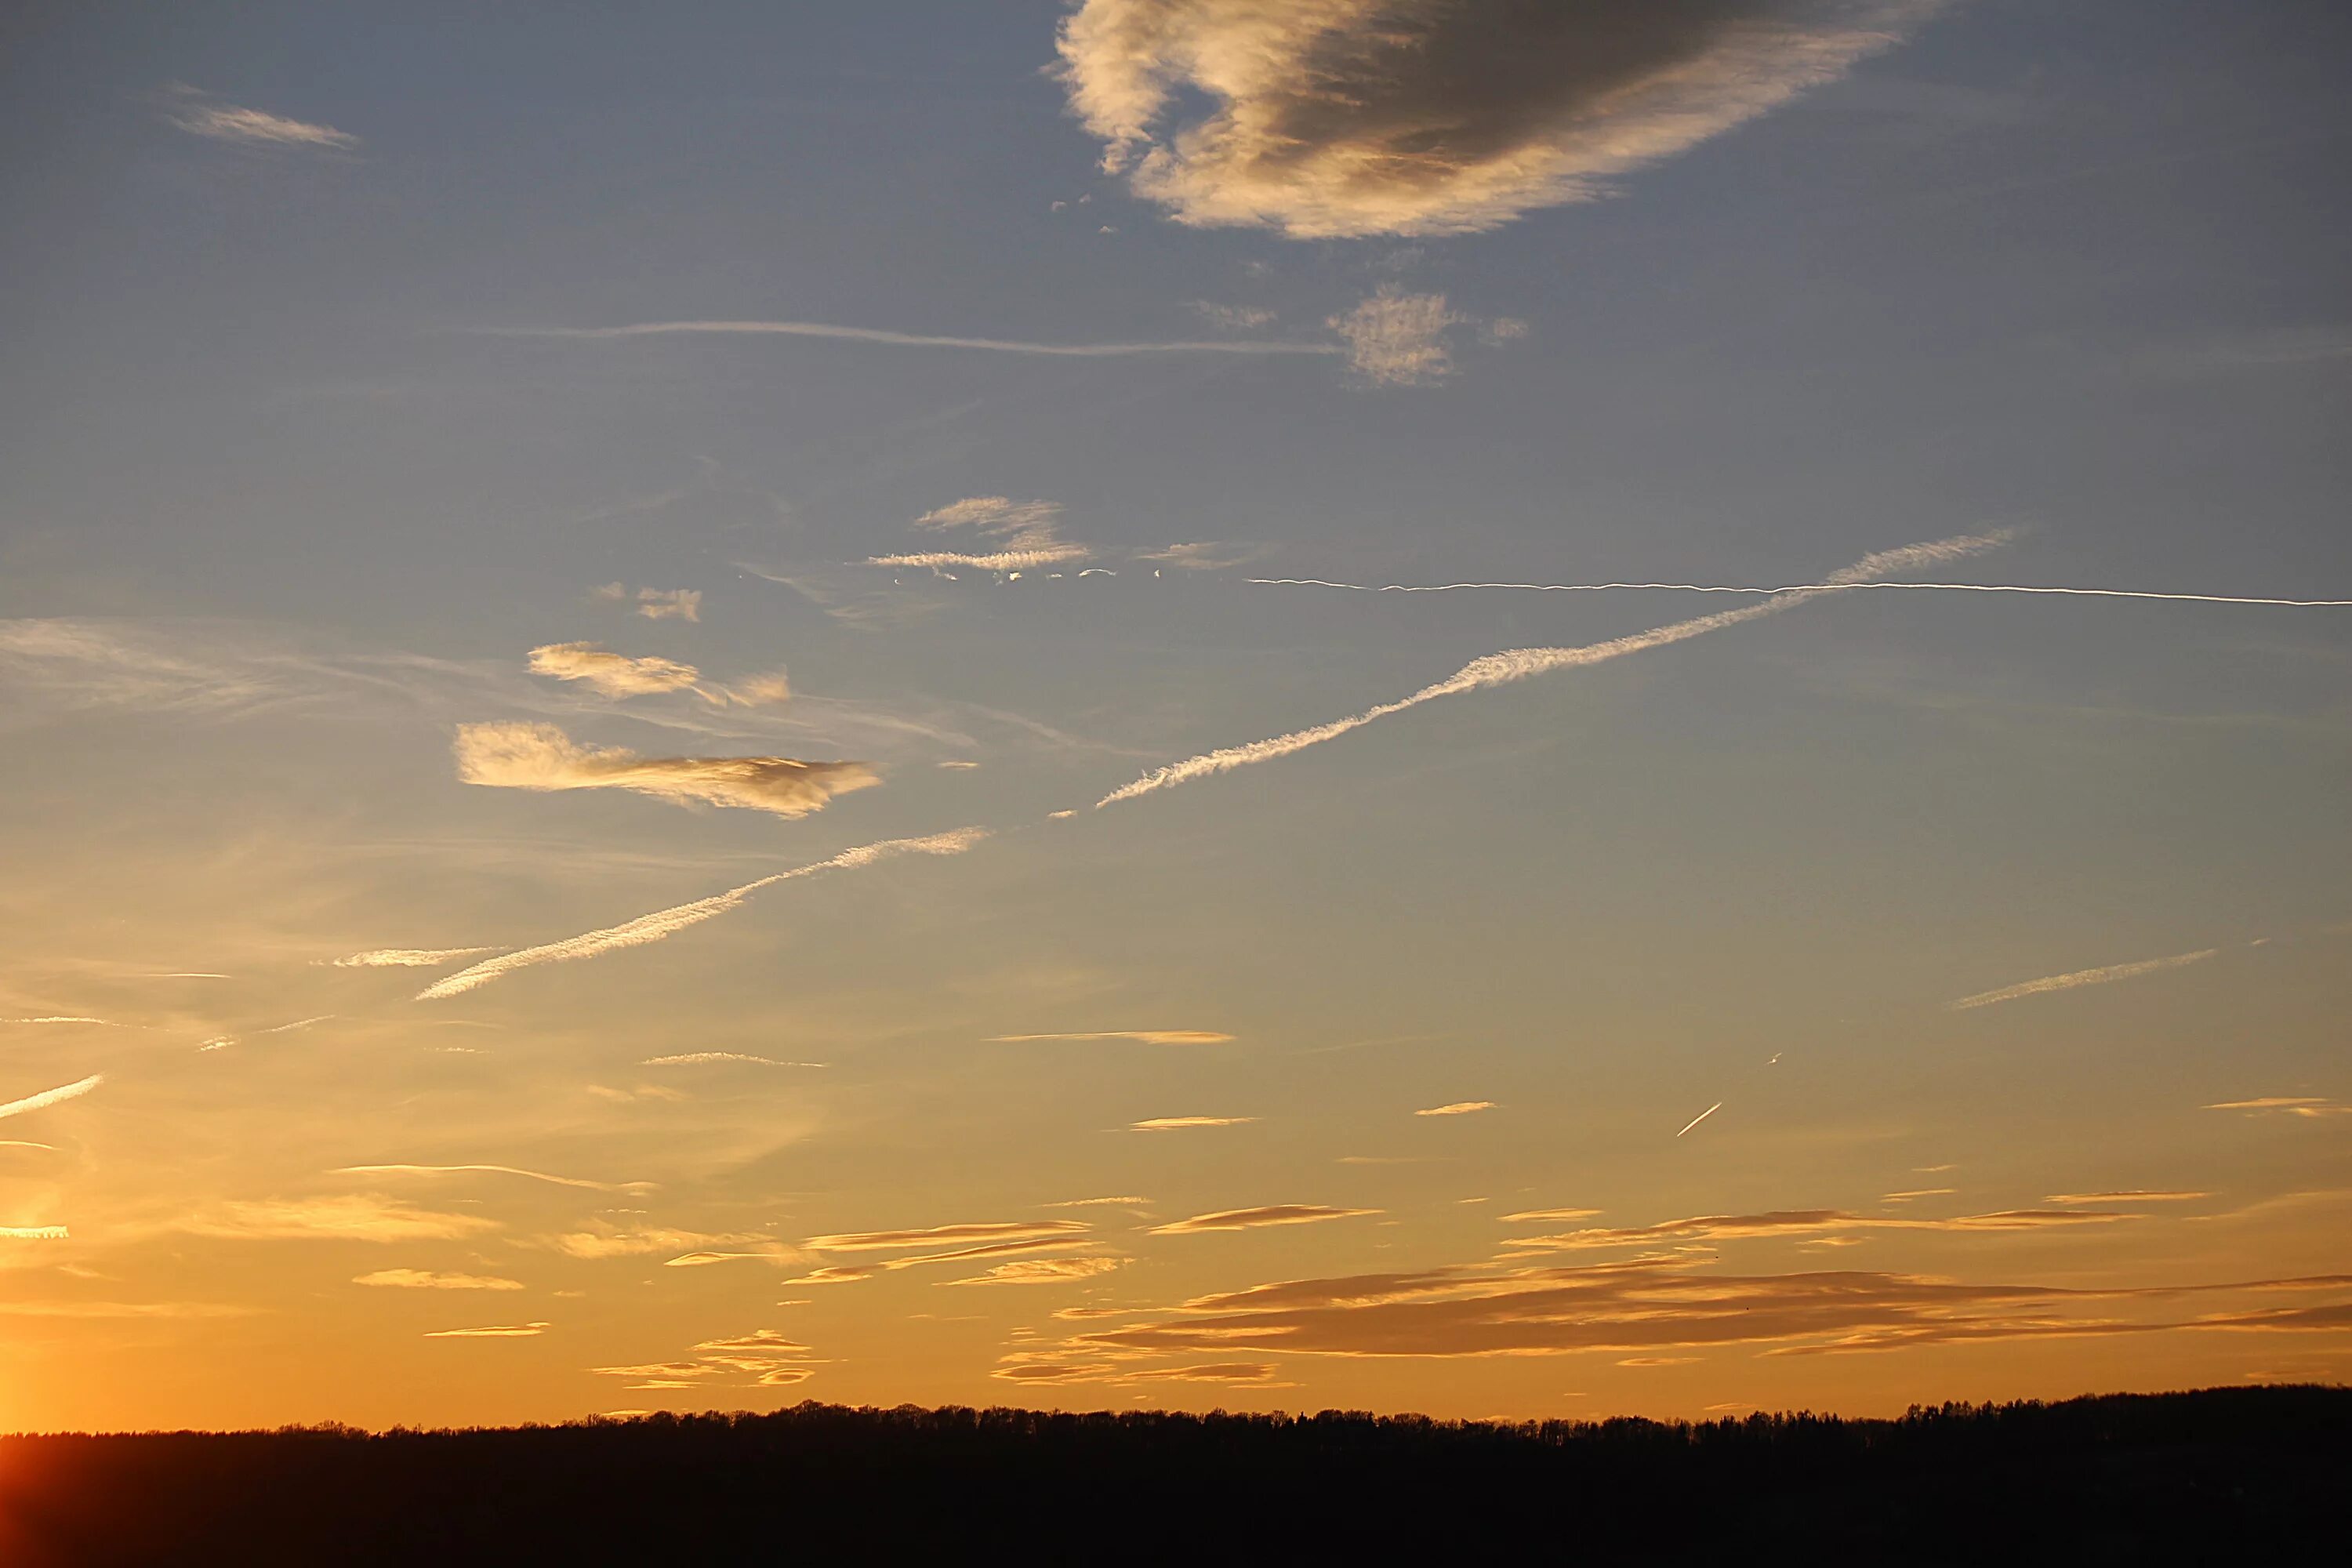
(1518, 664)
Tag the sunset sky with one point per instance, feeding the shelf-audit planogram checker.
(695, 709)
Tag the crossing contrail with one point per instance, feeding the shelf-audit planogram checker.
(1518, 664)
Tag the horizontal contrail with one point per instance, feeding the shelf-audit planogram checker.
(663, 923)
(905, 339)
(50, 1097)
(492, 1170)
(1518, 664)
(1794, 588)
(2105, 976)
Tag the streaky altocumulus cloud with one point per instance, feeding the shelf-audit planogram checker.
(428, 1279)
(516, 754)
(407, 957)
(1521, 664)
(50, 1097)
(1649, 1305)
(359, 1216)
(1335, 118)
(1145, 1037)
(2108, 975)
(625, 675)
(1257, 1218)
(200, 114)
(1042, 1271)
(492, 1171)
(1028, 534)
(663, 923)
(934, 1236)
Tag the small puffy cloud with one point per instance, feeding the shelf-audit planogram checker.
(522, 755)
(1028, 534)
(426, 1280)
(201, 115)
(493, 1332)
(1145, 1036)
(1326, 118)
(614, 674)
(1042, 1271)
(670, 604)
(1180, 1123)
(355, 1216)
(1458, 1107)
(933, 1236)
(1256, 1218)
(1233, 317)
(1395, 339)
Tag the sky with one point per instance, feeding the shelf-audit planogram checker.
(716, 704)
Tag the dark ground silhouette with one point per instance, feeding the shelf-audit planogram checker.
(2224, 1475)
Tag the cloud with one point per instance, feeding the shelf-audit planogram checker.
(932, 1235)
(407, 957)
(1748, 590)
(515, 754)
(1332, 118)
(1808, 1222)
(2107, 976)
(1233, 317)
(613, 674)
(1543, 1215)
(664, 923)
(712, 1058)
(670, 604)
(33, 1233)
(50, 1097)
(608, 1241)
(837, 1274)
(1147, 1037)
(359, 1216)
(1459, 1108)
(772, 1252)
(1256, 1218)
(425, 1280)
(1178, 1123)
(2128, 1194)
(193, 112)
(1028, 531)
(60, 1018)
(1204, 555)
(905, 339)
(1520, 664)
(492, 1331)
(1042, 1271)
(1058, 1372)
(1099, 1203)
(1396, 339)
(2284, 1105)
(493, 1170)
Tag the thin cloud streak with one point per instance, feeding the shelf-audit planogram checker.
(1147, 1037)
(663, 923)
(1701, 1116)
(2108, 975)
(1793, 588)
(1520, 664)
(50, 1097)
(903, 340)
(493, 1170)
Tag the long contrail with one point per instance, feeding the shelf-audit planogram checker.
(2103, 976)
(50, 1097)
(907, 340)
(492, 1170)
(663, 923)
(1518, 664)
(1796, 588)
(1701, 1116)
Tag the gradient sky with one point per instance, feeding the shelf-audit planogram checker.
(418, 701)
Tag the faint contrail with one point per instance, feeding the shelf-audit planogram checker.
(1793, 588)
(494, 1170)
(1518, 664)
(1701, 1116)
(662, 923)
(2111, 972)
(50, 1097)
(905, 339)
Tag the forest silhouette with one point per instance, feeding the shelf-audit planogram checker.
(2218, 1475)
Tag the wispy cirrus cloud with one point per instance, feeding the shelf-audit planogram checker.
(1333, 118)
(493, 1170)
(1028, 534)
(428, 1279)
(1110, 350)
(625, 675)
(1042, 1271)
(1810, 1221)
(720, 1058)
(1257, 1218)
(492, 1331)
(2270, 1105)
(663, 923)
(200, 114)
(1145, 1037)
(604, 1239)
(407, 957)
(50, 1097)
(934, 1236)
(2107, 976)
(1521, 664)
(359, 1216)
(510, 754)
(1459, 1108)
(1183, 1123)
